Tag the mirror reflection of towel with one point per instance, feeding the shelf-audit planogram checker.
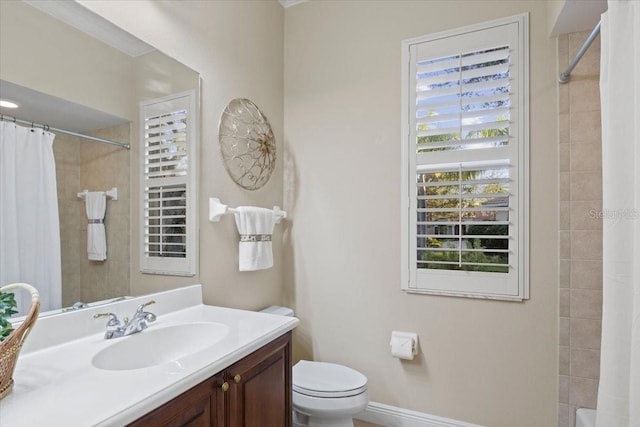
(96, 204)
(255, 226)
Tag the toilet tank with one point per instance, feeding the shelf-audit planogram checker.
(276, 309)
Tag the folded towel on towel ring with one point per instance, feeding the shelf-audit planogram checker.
(255, 226)
(96, 205)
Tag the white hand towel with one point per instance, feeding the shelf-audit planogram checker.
(96, 204)
(255, 226)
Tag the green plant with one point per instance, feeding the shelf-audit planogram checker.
(7, 309)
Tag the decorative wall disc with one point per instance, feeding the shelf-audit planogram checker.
(247, 144)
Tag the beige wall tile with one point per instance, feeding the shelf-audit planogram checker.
(585, 215)
(585, 127)
(565, 186)
(563, 388)
(563, 415)
(585, 363)
(589, 65)
(565, 303)
(586, 304)
(580, 166)
(565, 273)
(564, 356)
(564, 333)
(586, 274)
(564, 128)
(565, 215)
(586, 186)
(584, 95)
(586, 157)
(105, 167)
(583, 392)
(585, 333)
(563, 51)
(586, 244)
(572, 415)
(565, 245)
(563, 99)
(564, 152)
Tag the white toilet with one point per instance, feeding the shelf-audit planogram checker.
(325, 394)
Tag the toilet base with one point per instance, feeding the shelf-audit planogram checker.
(302, 420)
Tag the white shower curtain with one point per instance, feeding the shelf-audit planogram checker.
(619, 390)
(29, 223)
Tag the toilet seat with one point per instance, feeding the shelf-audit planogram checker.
(327, 380)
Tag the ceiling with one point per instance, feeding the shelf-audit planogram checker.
(55, 112)
(577, 15)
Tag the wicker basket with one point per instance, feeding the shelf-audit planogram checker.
(10, 347)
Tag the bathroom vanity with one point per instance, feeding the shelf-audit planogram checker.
(194, 365)
(256, 391)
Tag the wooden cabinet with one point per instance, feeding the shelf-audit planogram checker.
(260, 387)
(255, 391)
(201, 406)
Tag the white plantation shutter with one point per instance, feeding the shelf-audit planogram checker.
(465, 188)
(168, 155)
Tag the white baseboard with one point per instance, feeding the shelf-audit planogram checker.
(391, 416)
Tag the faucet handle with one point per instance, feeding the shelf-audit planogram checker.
(113, 319)
(139, 310)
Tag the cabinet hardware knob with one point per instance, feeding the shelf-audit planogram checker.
(225, 386)
(237, 378)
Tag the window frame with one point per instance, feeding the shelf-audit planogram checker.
(471, 284)
(174, 266)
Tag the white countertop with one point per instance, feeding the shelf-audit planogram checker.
(57, 385)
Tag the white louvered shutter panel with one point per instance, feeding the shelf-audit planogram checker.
(466, 186)
(168, 185)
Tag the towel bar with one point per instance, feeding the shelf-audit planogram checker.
(113, 193)
(217, 209)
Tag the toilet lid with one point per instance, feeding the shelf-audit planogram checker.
(322, 379)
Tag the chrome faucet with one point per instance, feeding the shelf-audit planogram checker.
(139, 322)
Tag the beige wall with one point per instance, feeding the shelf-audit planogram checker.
(237, 47)
(580, 232)
(492, 363)
(486, 362)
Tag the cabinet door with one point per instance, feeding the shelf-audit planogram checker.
(201, 406)
(260, 387)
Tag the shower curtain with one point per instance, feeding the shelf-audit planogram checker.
(29, 224)
(619, 389)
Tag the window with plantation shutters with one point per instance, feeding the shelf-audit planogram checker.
(168, 192)
(465, 150)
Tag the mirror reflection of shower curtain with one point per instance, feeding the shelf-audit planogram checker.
(29, 223)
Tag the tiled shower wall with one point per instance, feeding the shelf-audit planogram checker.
(580, 234)
(89, 165)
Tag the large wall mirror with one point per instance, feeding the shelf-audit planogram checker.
(64, 75)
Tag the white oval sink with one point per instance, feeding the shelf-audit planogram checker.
(153, 347)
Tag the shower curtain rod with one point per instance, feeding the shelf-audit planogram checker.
(564, 77)
(67, 132)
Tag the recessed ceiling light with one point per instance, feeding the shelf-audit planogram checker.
(7, 103)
